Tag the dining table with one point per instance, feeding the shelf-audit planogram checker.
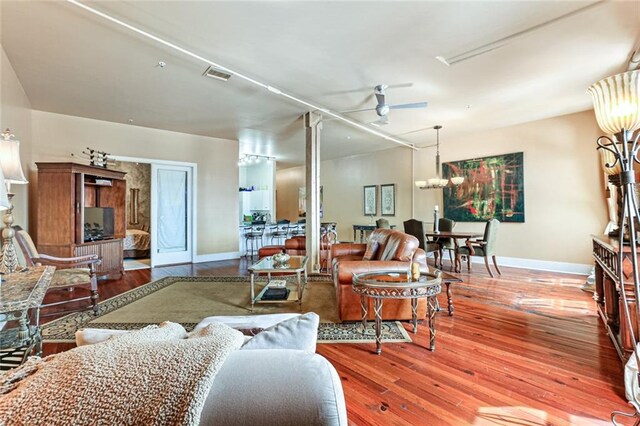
(455, 235)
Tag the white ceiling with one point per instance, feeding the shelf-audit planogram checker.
(333, 53)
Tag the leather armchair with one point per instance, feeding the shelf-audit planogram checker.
(395, 251)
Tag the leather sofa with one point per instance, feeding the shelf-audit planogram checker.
(395, 250)
(295, 246)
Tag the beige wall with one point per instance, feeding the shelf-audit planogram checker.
(564, 197)
(56, 137)
(15, 114)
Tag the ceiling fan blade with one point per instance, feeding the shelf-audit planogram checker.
(408, 106)
(415, 131)
(356, 110)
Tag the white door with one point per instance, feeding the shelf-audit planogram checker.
(171, 215)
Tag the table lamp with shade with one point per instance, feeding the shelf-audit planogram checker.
(616, 102)
(11, 173)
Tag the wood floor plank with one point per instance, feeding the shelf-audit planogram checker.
(524, 348)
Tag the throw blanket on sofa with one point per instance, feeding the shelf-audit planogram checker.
(154, 376)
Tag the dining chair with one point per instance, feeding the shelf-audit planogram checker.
(417, 229)
(382, 223)
(71, 272)
(445, 243)
(484, 247)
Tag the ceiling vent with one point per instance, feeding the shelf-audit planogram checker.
(216, 73)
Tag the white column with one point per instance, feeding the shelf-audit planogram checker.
(313, 127)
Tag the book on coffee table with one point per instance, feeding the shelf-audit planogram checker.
(276, 294)
(277, 284)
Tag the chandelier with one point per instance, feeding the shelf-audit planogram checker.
(438, 182)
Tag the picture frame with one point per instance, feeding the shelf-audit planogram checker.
(370, 200)
(388, 199)
(493, 187)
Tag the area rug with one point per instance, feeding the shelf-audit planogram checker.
(186, 300)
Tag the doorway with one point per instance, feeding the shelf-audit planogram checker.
(168, 196)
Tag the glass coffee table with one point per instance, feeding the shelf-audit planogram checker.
(296, 265)
(395, 285)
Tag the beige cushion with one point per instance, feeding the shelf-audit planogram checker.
(70, 277)
(300, 332)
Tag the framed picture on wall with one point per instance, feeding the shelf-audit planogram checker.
(493, 188)
(388, 199)
(370, 200)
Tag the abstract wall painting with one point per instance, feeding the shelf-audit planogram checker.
(493, 188)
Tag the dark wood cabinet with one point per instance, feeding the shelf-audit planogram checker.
(608, 292)
(64, 191)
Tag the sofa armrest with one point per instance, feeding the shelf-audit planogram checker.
(347, 249)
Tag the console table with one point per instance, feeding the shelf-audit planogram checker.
(607, 293)
(363, 231)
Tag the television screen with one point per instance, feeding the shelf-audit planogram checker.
(98, 223)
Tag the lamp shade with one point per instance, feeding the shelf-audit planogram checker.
(421, 183)
(10, 159)
(616, 102)
(4, 198)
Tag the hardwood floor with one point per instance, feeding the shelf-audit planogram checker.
(526, 348)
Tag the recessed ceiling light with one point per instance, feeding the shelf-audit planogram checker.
(217, 74)
(162, 64)
(348, 137)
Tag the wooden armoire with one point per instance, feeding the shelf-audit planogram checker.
(64, 191)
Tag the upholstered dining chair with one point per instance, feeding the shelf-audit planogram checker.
(383, 223)
(417, 229)
(70, 272)
(444, 243)
(484, 247)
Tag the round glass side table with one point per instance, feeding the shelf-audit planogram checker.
(395, 285)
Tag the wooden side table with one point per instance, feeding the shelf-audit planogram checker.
(394, 285)
(20, 292)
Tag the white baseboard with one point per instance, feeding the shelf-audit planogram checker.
(540, 265)
(201, 258)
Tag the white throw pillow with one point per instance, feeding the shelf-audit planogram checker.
(300, 332)
(246, 322)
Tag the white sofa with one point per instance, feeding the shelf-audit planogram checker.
(275, 379)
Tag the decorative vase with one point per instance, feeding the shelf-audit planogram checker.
(280, 259)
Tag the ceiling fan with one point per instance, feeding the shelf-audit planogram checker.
(382, 108)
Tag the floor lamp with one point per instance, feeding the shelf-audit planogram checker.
(12, 173)
(616, 102)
